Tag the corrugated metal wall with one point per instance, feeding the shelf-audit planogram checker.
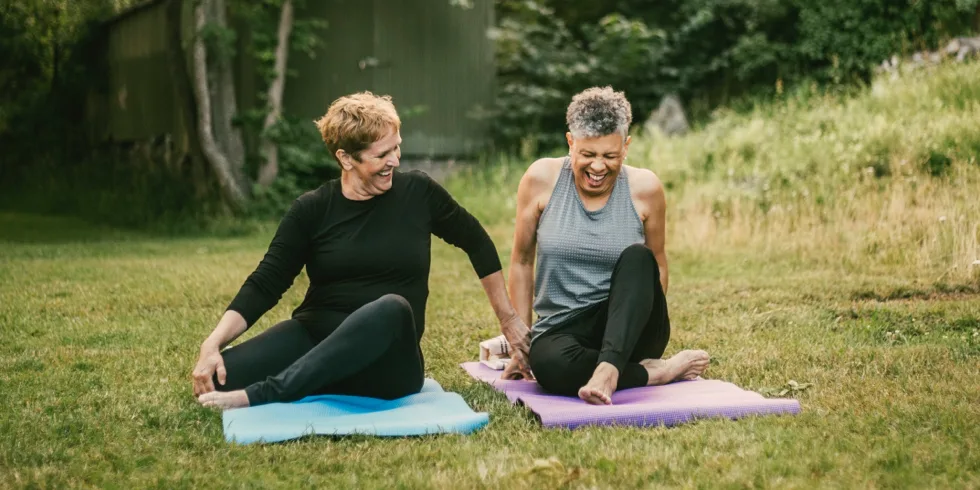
(141, 99)
(434, 59)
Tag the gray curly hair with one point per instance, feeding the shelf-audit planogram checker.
(599, 111)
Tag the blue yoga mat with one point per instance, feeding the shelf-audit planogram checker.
(431, 411)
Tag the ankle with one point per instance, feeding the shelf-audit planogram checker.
(606, 370)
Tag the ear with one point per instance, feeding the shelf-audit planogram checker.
(626, 143)
(345, 160)
(571, 141)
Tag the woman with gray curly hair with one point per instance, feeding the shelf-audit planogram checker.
(596, 228)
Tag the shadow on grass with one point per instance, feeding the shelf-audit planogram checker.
(30, 228)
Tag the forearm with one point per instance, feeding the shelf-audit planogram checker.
(496, 290)
(664, 271)
(522, 289)
(231, 325)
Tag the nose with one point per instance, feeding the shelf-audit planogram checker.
(393, 160)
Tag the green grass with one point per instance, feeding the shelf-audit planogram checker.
(864, 293)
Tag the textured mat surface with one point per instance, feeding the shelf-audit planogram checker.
(432, 411)
(668, 405)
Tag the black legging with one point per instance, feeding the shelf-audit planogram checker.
(372, 352)
(631, 325)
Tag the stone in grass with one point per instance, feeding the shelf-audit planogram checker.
(791, 387)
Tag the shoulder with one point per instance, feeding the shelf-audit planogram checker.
(542, 175)
(313, 199)
(646, 192)
(414, 176)
(415, 180)
(305, 208)
(645, 186)
(417, 188)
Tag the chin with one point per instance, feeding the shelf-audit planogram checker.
(588, 189)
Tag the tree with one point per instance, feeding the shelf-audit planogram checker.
(268, 171)
(228, 171)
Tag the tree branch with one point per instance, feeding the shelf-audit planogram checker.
(230, 188)
(269, 171)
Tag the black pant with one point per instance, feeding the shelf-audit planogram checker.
(631, 325)
(372, 352)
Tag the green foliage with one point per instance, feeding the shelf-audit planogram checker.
(37, 38)
(542, 61)
(304, 164)
(220, 41)
(709, 52)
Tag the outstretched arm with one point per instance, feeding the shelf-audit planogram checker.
(262, 290)
(210, 362)
(458, 227)
(525, 243)
(532, 186)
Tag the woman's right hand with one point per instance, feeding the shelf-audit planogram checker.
(209, 364)
(518, 336)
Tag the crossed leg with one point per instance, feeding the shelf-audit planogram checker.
(373, 352)
(618, 344)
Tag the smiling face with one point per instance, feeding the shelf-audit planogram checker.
(596, 162)
(375, 167)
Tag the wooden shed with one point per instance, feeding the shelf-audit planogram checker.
(432, 57)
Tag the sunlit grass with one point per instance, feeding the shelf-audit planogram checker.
(799, 264)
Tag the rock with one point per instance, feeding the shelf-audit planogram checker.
(669, 118)
(963, 47)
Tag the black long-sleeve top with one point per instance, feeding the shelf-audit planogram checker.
(357, 251)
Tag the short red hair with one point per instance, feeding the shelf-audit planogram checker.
(355, 121)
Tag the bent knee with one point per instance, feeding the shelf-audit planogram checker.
(394, 303)
(398, 310)
(637, 251)
(639, 254)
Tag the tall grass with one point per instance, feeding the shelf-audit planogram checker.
(889, 177)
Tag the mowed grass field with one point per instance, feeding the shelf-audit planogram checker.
(824, 241)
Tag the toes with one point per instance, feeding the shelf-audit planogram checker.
(594, 396)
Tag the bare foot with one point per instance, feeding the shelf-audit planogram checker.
(599, 389)
(225, 400)
(684, 366)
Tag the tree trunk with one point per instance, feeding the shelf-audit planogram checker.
(270, 169)
(231, 188)
(225, 106)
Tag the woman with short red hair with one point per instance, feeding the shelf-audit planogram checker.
(365, 241)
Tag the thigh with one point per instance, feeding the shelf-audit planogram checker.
(264, 355)
(395, 374)
(379, 338)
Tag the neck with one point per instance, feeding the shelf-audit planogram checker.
(353, 188)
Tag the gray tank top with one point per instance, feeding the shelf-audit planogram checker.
(577, 249)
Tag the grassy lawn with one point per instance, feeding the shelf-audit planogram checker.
(805, 267)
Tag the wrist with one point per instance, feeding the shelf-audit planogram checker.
(210, 346)
(507, 316)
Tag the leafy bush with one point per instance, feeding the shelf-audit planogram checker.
(304, 164)
(709, 52)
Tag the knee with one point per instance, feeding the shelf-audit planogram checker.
(638, 255)
(397, 308)
(394, 303)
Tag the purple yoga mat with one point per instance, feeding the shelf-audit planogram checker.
(667, 405)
